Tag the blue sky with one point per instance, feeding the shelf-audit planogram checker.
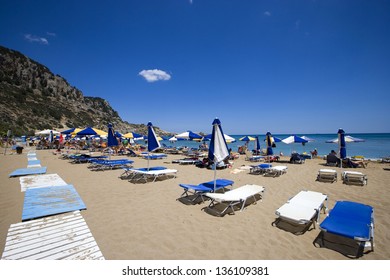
(304, 66)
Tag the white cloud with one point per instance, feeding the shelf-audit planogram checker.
(155, 75)
(267, 13)
(51, 34)
(36, 39)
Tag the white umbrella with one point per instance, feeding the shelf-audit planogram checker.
(218, 149)
(47, 132)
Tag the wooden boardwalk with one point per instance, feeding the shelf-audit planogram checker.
(41, 202)
(40, 181)
(58, 237)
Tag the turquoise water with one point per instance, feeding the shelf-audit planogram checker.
(376, 145)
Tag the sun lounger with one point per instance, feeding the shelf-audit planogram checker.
(260, 169)
(234, 197)
(28, 171)
(250, 157)
(97, 164)
(145, 174)
(353, 177)
(303, 209)
(351, 220)
(153, 156)
(327, 175)
(128, 172)
(196, 191)
(275, 170)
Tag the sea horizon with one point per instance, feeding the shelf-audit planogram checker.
(375, 145)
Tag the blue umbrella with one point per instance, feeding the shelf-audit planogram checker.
(270, 144)
(257, 145)
(111, 139)
(218, 149)
(153, 143)
(343, 150)
(87, 131)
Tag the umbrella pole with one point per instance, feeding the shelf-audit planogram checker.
(215, 176)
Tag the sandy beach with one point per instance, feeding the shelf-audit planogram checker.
(147, 221)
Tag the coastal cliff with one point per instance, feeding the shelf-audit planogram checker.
(33, 98)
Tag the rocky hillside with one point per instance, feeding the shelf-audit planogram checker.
(33, 98)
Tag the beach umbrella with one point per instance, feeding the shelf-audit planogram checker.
(257, 144)
(90, 131)
(132, 135)
(294, 139)
(111, 138)
(270, 143)
(47, 132)
(342, 148)
(153, 143)
(218, 149)
(308, 138)
(347, 138)
(247, 138)
(228, 138)
(188, 135)
(172, 139)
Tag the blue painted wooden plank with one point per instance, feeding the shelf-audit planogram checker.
(28, 171)
(41, 202)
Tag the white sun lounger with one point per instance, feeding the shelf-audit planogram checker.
(328, 175)
(354, 177)
(234, 197)
(145, 175)
(303, 208)
(276, 170)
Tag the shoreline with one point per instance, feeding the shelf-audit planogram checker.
(147, 222)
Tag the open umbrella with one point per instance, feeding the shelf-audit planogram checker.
(188, 135)
(347, 138)
(153, 143)
(308, 138)
(294, 139)
(132, 135)
(47, 132)
(218, 149)
(90, 131)
(228, 138)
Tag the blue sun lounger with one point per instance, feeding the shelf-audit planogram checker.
(351, 220)
(207, 187)
(28, 171)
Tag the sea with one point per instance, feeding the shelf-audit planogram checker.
(375, 145)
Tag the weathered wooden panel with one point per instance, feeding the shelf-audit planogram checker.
(41, 202)
(65, 236)
(40, 181)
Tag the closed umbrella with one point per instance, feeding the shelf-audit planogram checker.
(218, 149)
(270, 143)
(111, 139)
(153, 143)
(257, 145)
